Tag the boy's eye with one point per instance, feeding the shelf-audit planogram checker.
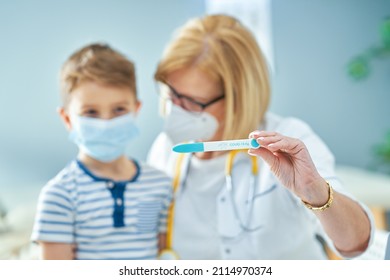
(90, 113)
(120, 110)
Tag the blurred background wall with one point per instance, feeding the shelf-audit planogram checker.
(313, 42)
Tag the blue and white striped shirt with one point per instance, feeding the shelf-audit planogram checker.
(105, 219)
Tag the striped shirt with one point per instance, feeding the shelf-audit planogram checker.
(105, 219)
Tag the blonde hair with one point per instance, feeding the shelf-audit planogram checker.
(98, 63)
(228, 53)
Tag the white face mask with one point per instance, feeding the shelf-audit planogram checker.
(104, 140)
(181, 125)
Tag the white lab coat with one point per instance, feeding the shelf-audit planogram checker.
(205, 225)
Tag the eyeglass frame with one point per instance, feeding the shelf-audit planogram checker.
(180, 96)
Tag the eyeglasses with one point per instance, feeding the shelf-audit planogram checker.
(187, 103)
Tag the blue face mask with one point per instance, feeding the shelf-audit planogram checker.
(103, 140)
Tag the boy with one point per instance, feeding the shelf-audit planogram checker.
(102, 205)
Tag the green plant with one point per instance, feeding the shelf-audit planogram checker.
(359, 66)
(359, 69)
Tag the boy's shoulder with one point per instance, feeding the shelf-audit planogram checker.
(155, 180)
(66, 177)
(149, 171)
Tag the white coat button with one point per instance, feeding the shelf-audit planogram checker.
(118, 201)
(227, 251)
(223, 199)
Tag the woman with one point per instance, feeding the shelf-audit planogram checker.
(215, 85)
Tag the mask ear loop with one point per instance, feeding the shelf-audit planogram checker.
(165, 104)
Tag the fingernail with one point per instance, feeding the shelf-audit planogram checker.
(260, 139)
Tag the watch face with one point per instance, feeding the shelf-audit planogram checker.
(168, 254)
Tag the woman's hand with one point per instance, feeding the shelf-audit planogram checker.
(345, 222)
(291, 163)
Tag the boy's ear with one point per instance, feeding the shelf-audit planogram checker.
(64, 117)
(138, 106)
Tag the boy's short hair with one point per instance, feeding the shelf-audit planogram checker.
(98, 63)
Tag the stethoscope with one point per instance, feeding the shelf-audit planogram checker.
(244, 224)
